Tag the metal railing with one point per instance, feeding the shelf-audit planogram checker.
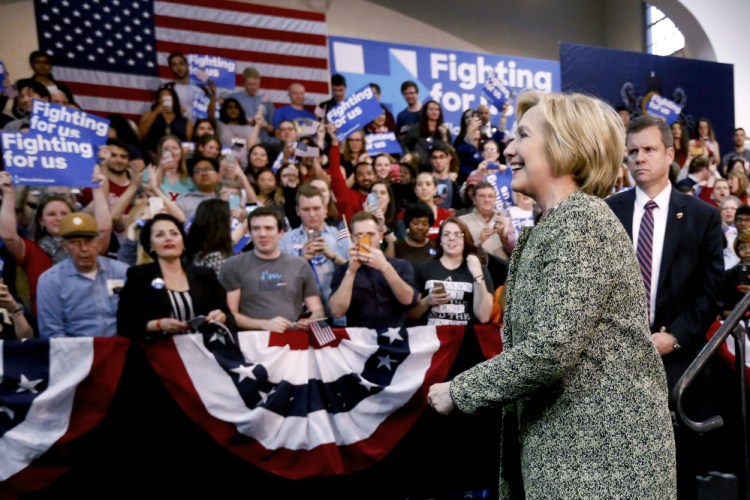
(732, 326)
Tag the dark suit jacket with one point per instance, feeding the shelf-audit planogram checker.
(140, 301)
(688, 295)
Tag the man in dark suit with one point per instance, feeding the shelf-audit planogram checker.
(680, 253)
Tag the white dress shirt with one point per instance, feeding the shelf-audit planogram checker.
(660, 229)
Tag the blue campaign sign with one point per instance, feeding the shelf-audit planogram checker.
(354, 112)
(495, 92)
(219, 70)
(501, 181)
(662, 107)
(43, 159)
(55, 119)
(385, 142)
(453, 78)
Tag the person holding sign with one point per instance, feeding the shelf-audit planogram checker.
(582, 389)
(164, 118)
(46, 249)
(186, 91)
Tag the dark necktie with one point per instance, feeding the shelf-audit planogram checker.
(645, 247)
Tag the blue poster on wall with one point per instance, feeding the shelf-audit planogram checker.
(637, 78)
(453, 78)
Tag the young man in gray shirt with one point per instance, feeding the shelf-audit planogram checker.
(266, 288)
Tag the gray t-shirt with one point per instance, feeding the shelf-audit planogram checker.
(269, 288)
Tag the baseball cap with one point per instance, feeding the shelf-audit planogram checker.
(78, 225)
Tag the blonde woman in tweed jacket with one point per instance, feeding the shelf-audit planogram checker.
(583, 390)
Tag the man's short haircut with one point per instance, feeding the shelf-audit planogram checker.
(484, 185)
(584, 137)
(739, 129)
(646, 121)
(118, 144)
(37, 87)
(39, 53)
(416, 211)
(374, 86)
(697, 165)
(409, 84)
(338, 81)
(622, 107)
(251, 73)
(442, 146)
(370, 165)
(309, 191)
(173, 55)
(362, 216)
(191, 164)
(743, 210)
(266, 212)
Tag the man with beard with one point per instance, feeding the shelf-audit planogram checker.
(186, 91)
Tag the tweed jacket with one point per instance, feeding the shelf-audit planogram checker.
(583, 390)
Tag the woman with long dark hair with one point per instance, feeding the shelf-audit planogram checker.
(164, 118)
(429, 130)
(235, 132)
(209, 240)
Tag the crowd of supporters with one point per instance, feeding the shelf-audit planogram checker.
(210, 174)
(230, 220)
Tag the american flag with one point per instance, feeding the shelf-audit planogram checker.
(300, 410)
(51, 393)
(322, 332)
(113, 53)
(343, 232)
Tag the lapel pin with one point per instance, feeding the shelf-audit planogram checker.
(679, 215)
(157, 283)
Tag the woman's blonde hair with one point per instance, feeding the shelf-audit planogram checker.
(585, 138)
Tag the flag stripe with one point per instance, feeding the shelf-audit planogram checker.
(250, 9)
(191, 42)
(240, 30)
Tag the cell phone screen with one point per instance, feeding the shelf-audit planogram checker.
(366, 239)
(372, 200)
(234, 201)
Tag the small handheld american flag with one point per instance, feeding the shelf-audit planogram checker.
(322, 332)
(343, 232)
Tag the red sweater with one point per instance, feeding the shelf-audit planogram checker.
(348, 201)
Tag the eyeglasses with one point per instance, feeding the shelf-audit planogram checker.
(448, 235)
